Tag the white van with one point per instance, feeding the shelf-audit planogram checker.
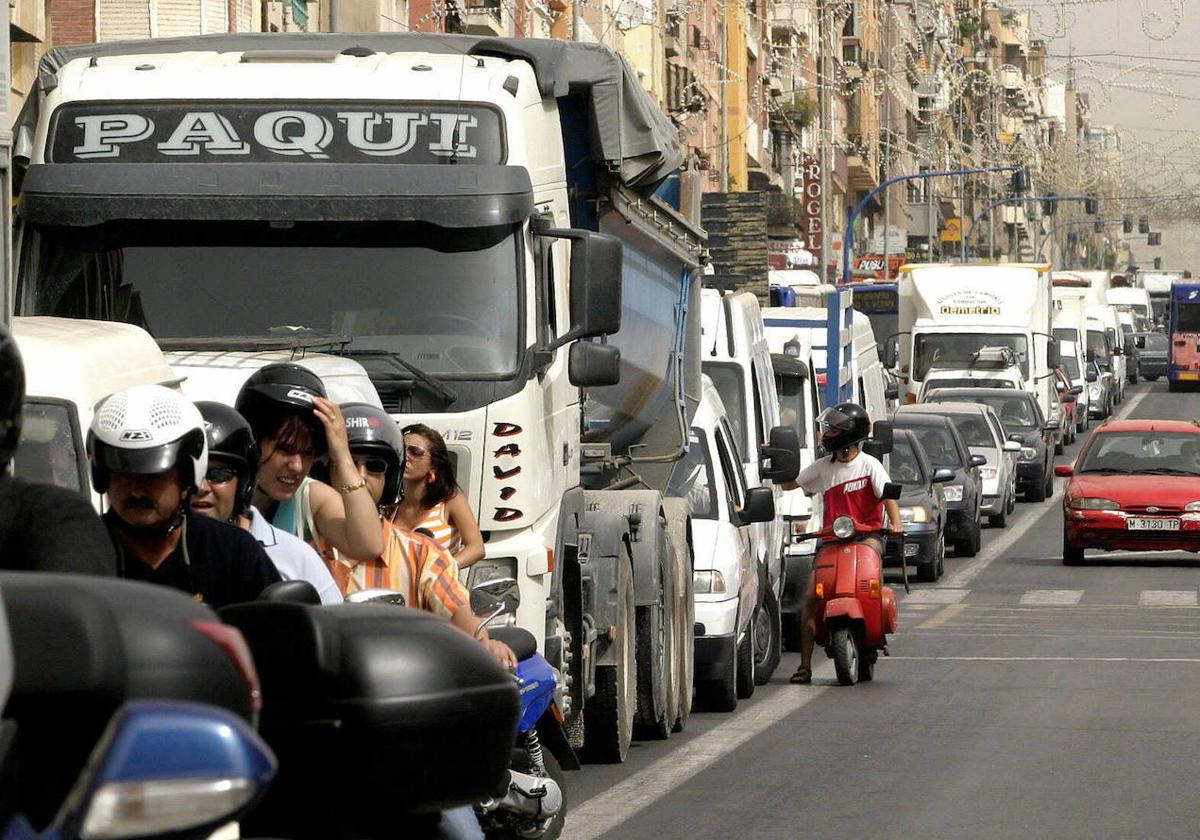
(725, 571)
(70, 366)
(736, 357)
(783, 323)
(1115, 359)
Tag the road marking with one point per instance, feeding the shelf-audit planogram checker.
(1167, 598)
(1039, 659)
(942, 617)
(606, 811)
(1052, 597)
(963, 576)
(936, 595)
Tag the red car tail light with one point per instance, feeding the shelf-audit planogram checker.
(230, 640)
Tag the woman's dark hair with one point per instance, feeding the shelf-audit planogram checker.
(445, 483)
(288, 432)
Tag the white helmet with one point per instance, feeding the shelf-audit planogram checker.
(145, 430)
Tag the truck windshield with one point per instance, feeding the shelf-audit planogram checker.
(692, 479)
(959, 349)
(1066, 334)
(447, 300)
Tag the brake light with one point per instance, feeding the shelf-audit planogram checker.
(875, 591)
(230, 640)
(820, 590)
(822, 378)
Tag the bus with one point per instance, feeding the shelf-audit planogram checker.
(880, 302)
(1184, 332)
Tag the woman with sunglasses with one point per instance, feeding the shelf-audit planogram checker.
(432, 500)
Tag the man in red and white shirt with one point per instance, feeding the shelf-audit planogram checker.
(851, 484)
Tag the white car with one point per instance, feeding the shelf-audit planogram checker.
(983, 434)
(724, 574)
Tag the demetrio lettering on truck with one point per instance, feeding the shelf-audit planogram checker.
(260, 132)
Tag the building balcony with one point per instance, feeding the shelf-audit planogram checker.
(484, 17)
(860, 173)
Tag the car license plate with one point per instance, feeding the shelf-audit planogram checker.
(1143, 523)
(1188, 375)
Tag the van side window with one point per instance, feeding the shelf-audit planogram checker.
(731, 466)
(759, 415)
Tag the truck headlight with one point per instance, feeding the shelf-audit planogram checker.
(1028, 453)
(484, 598)
(953, 492)
(916, 514)
(1093, 503)
(708, 582)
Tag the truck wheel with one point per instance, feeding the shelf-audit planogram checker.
(768, 638)
(745, 663)
(608, 726)
(656, 690)
(720, 695)
(685, 612)
(1071, 555)
(845, 655)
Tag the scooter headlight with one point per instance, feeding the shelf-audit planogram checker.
(843, 527)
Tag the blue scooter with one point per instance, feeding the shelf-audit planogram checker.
(535, 803)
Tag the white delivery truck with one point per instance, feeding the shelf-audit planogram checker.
(949, 312)
(1069, 324)
(474, 221)
(1131, 299)
(1158, 286)
(1099, 283)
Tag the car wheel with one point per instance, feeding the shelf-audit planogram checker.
(1012, 497)
(1058, 446)
(941, 552)
(999, 520)
(927, 569)
(1071, 555)
(969, 546)
(745, 665)
(1036, 492)
(1049, 480)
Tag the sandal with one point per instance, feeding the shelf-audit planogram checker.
(803, 676)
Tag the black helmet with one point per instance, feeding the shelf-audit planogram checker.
(231, 439)
(844, 425)
(372, 432)
(277, 390)
(12, 396)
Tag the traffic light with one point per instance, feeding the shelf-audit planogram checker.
(1158, 263)
(1020, 181)
(1091, 206)
(1143, 224)
(1127, 224)
(1049, 204)
(1154, 239)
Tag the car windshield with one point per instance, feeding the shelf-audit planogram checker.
(692, 478)
(1147, 453)
(1155, 342)
(444, 299)
(1016, 411)
(973, 430)
(967, 382)
(939, 445)
(903, 466)
(1097, 346)
(959, 349)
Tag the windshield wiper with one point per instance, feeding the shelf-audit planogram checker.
(1104, 470)
(255, 343)
(1164, 471)
(432, 384)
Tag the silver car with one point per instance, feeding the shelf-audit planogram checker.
(981, 431)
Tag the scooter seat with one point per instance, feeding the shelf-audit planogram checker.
(522, 642)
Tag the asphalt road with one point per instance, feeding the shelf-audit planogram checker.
(1022, 699)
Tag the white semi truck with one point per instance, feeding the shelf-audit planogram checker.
(472, 220)
(1158, 285)
(949, 312)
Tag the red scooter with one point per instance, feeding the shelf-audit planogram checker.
(855, 611)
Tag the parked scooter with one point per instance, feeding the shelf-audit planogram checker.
(855, 611)
(535, 803)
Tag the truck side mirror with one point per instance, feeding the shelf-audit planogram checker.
(881, 436)
(595, 283)
(760, 506)
(591, 365)
(1052, 359)
(783, 453)
(891, 392)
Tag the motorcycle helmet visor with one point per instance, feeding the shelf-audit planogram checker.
(834, 422)
(152, 461)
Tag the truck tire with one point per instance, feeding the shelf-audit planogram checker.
(678, 528)
(656, 666)
(768, 638)
(745, 664)
(608, 714)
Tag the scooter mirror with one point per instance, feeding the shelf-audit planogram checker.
(891, 490)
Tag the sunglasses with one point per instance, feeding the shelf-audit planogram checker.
(415, 451)
(375, 466)
(220, 475)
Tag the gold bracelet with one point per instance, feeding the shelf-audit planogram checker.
(347, 489)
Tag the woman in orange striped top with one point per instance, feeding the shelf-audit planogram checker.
(432, 500)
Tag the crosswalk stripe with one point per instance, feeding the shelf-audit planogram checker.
(1167, 598)
(936, 596)
(1052, 597)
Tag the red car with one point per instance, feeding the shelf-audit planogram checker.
(1135, 487)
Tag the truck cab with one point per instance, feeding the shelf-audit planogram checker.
(70, 366)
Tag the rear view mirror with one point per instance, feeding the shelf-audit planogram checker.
(978, 460)
(595, 283)
(218, 768)
(780, 459)
(892, 490)
(592, 365)
(943, 474)
(1064, 470)
(1052, 359)
(1012, 445)
(1051, 426)
(760, 506)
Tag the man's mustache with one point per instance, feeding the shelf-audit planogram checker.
(139, 503)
